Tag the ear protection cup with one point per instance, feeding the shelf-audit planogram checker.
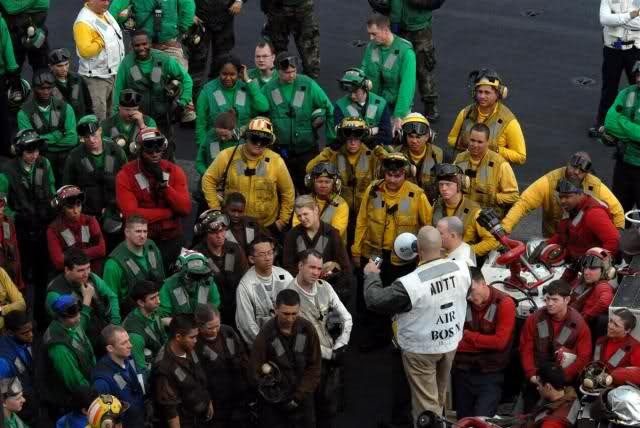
(308, 182)
(337, 184)
(608, 270)
(366, 84)
(465, 183)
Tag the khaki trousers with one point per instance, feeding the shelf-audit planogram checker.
(428, 377)
(101, 90)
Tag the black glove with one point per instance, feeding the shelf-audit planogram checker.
(371, 142)
(291, 406)
(155, 171)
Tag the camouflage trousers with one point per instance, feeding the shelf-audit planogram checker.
(422, 41)
(300, 22)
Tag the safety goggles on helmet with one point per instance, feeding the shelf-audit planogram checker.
(88, 128)
(352, 133)
(214, 220)
(485, 77)
(580, 162)
(415, 128)
(286, 62)
(259, 139)
(566, 186)
(447, 170)
(324, 169)
(30, 146)
(43, 78)
(73, 201)
(130, 98)
(58, 56)
(349, 86)
(393, 164)
(591, 261)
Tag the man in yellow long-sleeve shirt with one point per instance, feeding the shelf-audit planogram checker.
(389, 207)
(452, 202)
(506, 136)
(541, 193)
(492, 181)
(100, 50)
(258, 173)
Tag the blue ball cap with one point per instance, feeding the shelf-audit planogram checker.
(65, 305)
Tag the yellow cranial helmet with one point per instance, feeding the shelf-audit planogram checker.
(105, 411)
(260, 128)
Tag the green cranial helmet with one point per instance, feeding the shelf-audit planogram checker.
(353, 79)
(193, 262)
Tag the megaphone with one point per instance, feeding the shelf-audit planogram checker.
(406, 246)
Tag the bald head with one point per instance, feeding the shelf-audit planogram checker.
(429, 243)
(452, 231)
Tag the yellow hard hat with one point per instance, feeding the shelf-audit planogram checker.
(415, 118)
(416, 123)
(394, 161)
(105, 408)
(262, 127)
(352, 127)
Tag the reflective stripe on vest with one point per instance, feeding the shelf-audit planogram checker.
(133, 266)
(180, 374)
(218, 96)
(250, 234)
(372, 111)
(630, 101)
(75, 91)
(298, 98)
(361, 165)
(427, 164)
(228, 235)
(391, 60)
(6, 230)
(37, 122)
(469, 316)
(119, 380)
(209, 353)
(181, 296)
(39, 176)
(375, 55)
(86, 163)
(151, 256)
(276, 96)
(543, 329)
(596, 352)
(109, 164)
(229, 262)
(203, 294)
(231, 345)
(278, 347)
(577, 219)
(321, 244)
(490, 315)
(564, 335)
(142, 181)
(68, 237)
(353, 111)
(85, 235)
(214, 149)
(54, 118)
(156, 73)
(19, 365)
(241, 97)
(617, 357)
(261, 168)
(149, 332)
(328, 213)
(573, 412)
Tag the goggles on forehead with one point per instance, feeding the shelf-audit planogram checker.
(57, 56)
(415, 128)
(393, 164)
(288, 61)
(44, 78)
(130, 98)
(349, 86)
(592, 261)
(153, 145)
(324, 169)
(259, 139)
(87, 129)
(580, 162)
(357, 133)
(447, 169)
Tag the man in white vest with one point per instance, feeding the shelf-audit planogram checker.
(452, 230)
(430, 305)
(100, 50)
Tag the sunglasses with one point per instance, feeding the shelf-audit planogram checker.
(259, 140)
(155, 145)
(581, 163)
(415, 128)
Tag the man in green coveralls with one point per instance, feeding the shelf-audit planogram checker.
(146, 331)
(136, 258)
(390, 64)
(69, 351)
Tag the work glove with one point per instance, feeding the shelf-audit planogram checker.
(317, 122)
(156, 172)
(371, 142)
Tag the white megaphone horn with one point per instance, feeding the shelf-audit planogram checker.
(406, 246)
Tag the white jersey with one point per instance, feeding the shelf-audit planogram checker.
(106, 63)
(464, 253)
(619, 30)
(317, 306)
(438, 293)
(256, 299)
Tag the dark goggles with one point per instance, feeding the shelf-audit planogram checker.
(73, 201)
(349, 86)
(393, 164)
(580, 162)
(592, 261)
(355, 133)
(44, 78)
(286, 62)
(415, 128)
(447, 170)
(259, 139)
(153, 145)
(30, 146)
(57, 56)
(491, 75)
(565, 186)
(87, 129)
(129, 98)
(324, 169)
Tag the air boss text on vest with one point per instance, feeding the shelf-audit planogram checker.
(447, 316)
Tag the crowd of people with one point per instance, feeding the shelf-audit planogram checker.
(115, 313)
